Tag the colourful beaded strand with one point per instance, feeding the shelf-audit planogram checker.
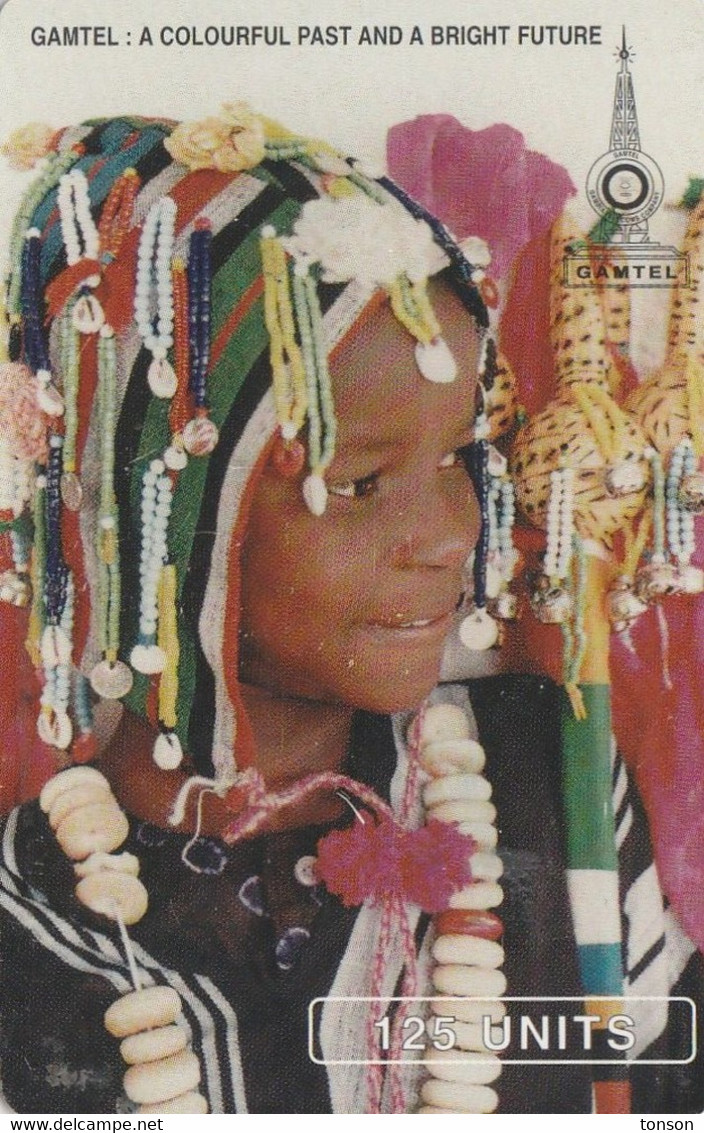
(478, 630)
(110, 678)
(200, 435)
(153, 291)
(56, 166)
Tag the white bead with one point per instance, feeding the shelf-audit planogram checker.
(304, 870)
(113, 895)
(102, 862)
(154, 1082)
(141, 1010)
(478, 895)
(486, 867)
(100, 826)
(459, 1066)
(148, 1046)
(484, 833)
(464, 810)
(463, 979)
(80, 795)
(462, 949)
(469, 1036)
(478, 631)
(175, 458)
(469, 1010)
(190, 1102)
(66, 781)
(444, 722)
(452, 757)
(452, 788)
(460, 1097)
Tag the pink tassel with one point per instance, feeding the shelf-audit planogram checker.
(378, 861)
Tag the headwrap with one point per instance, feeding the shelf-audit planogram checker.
(174, 296)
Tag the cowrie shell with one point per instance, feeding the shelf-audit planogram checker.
(161, 378)
(435, 361)
(167, 753)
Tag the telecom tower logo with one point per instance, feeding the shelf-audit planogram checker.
(625, 187)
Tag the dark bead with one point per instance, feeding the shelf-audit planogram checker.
(14, 346)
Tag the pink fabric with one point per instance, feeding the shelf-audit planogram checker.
(479, 182)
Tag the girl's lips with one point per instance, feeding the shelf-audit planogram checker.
(416, 626)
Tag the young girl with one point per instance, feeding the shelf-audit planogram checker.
(238, 418)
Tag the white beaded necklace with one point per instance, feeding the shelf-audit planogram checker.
(163, 1074)
(153, 296)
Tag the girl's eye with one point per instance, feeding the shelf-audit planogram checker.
(356, 489)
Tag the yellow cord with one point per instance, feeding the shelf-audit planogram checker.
(168, 641)
(636, 545)
(694, 378)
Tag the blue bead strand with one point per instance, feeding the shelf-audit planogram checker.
(444, 240)
(199, 311)
(32, 307)
(479, 473)
(56, 577)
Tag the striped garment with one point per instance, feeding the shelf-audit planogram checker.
(225, 940)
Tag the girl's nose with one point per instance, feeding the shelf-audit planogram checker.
(442, 527)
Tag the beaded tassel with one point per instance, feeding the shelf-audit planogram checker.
(288, 370)
(15, 493)
(81, 242)
(110, 678)
(153, 297)
(54, 725)
(175, 455)
(200, 435)
(48, 397)
(478, 630)
(680, 520)
(116, 216)
(146, 656)
(71, 490)
(322, 423)
(168, 752)
(502, 553)
(56, 166)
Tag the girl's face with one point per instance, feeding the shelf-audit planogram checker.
(353, 607)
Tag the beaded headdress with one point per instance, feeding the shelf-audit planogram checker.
(174, 294)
